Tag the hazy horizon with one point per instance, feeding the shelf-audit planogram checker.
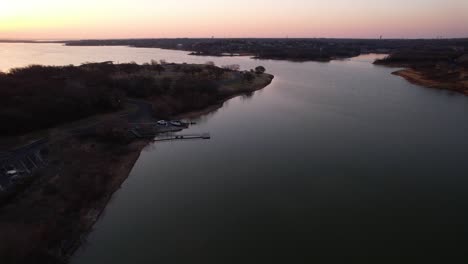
(119, 19)
(311, 38)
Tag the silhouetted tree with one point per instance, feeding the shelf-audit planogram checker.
(248, 76)
(217, 72)
(232, 67)
(159, 68)
(260, 70)
(166, 84)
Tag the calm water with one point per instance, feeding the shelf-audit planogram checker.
(333, 161)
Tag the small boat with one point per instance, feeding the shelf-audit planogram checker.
(162, 122)
(12, 172)
(176, 123)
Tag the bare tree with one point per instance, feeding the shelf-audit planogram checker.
(159, 68)
(232, 67)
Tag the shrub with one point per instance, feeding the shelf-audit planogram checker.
(248, 76)
(260, 70)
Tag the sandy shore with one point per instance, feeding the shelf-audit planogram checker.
(423, 79)
(415, 77)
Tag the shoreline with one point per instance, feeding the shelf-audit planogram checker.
(219, 104)
(228, 92)
(420, 78)
(132, 157)
(60, 207)
(119, 178)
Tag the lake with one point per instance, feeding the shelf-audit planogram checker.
(338, 161)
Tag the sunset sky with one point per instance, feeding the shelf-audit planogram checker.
(60, 19)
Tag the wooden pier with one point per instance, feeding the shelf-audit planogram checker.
(182, 137)
(159, 133)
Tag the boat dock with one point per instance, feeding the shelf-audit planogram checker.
(182, 137)
(163, 132)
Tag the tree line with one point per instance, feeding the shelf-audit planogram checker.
(38, 97)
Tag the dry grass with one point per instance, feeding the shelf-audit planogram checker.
(56, 208)
(427, 79)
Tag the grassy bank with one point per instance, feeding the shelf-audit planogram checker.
(420, 77)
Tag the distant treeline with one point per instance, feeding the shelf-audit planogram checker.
(287, 49)
(427, 57)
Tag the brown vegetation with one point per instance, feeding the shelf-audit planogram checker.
(40, 97)
(191, 93)
(45, 223)
(442, 68)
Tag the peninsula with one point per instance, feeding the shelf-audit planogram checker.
(73, 124)
(435, 67)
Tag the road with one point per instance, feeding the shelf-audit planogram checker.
(28, 157)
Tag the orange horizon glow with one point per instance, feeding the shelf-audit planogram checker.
(54, 19)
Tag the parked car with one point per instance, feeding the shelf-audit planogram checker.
(176, 123)
(12, 173)
(162, 122)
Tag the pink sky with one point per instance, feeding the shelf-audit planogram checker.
(58, 19)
